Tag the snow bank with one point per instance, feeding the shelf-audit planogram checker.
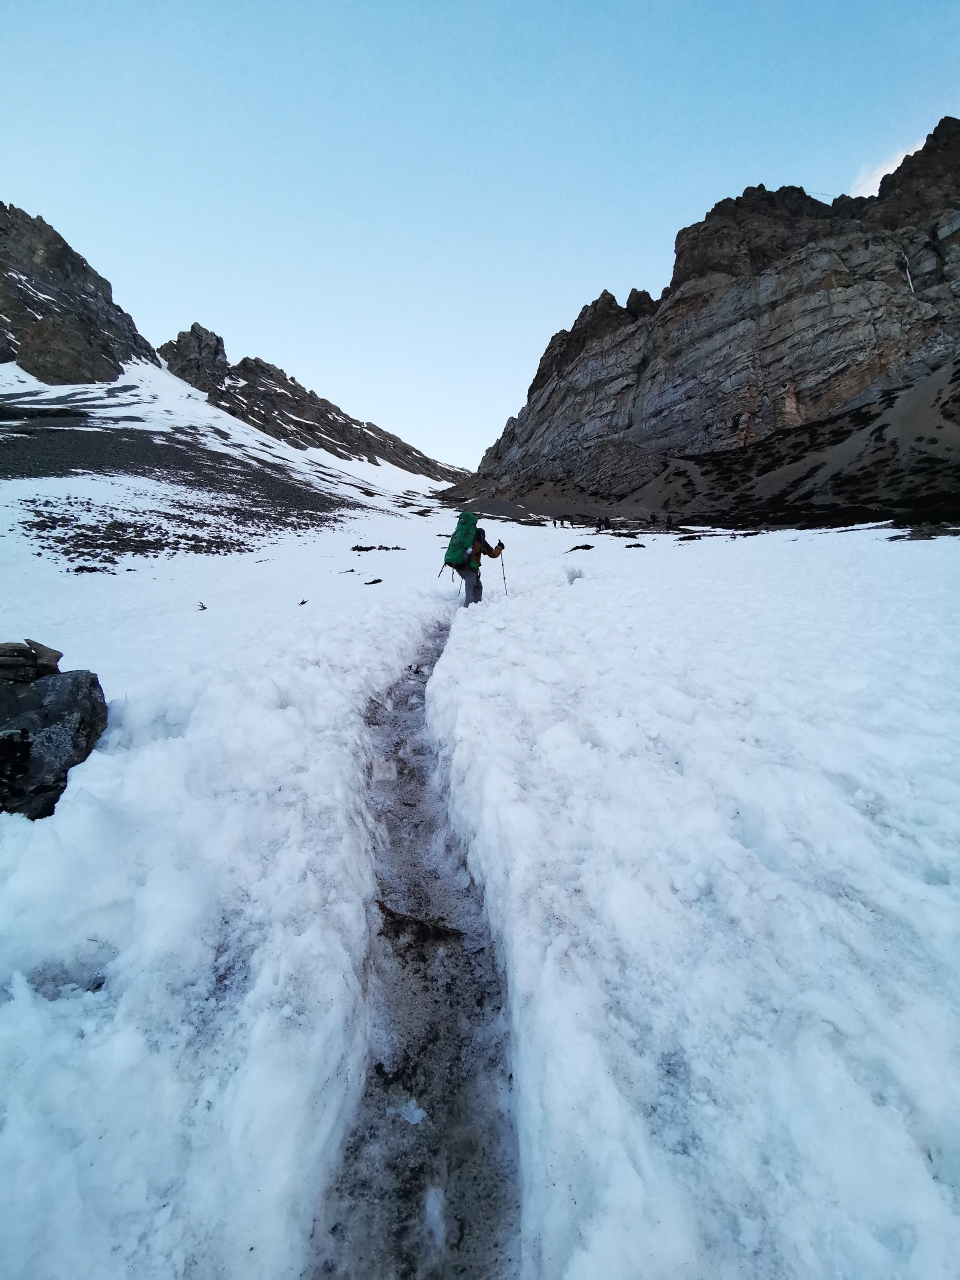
(712, 791)
(182, 1028)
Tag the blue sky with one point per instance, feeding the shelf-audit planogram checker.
(399, 203)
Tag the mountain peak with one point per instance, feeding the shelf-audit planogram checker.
(60, 321)
(197, 356)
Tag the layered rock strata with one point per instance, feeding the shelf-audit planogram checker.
(264, 396)
(782, 311)
(58, 320)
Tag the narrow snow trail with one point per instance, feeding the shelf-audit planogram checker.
(428, 1187)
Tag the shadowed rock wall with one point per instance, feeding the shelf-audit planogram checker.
(58, 320)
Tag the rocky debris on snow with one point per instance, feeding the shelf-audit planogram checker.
(216, 502)
(58, 320)
(783, 312)
(49, 721)
(265, 397)
(398, 925)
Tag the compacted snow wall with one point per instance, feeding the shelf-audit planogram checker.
(182, 1022)
(711, 789)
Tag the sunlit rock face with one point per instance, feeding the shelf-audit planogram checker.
(782, 310)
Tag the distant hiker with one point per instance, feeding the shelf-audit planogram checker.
(466, 547)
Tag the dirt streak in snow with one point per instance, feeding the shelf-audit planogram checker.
(428, 1186)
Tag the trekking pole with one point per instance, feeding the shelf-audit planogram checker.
(504, 572)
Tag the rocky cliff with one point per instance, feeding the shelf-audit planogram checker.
(58, 319)
(264, 396)
(782, 312)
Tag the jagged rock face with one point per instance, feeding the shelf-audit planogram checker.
(58, 320)
(265, 397)
(198, 357)
(781, 311)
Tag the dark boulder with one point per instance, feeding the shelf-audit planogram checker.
(46, 727)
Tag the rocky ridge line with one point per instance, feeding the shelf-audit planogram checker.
(264, 396)
(59, 323)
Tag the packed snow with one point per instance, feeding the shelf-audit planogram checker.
(710, 789)
(182, 945)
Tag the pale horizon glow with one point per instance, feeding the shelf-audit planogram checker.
(867, 181)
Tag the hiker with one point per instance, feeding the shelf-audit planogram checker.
(470, 572)
(463, 554)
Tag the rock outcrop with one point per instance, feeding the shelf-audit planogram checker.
(782, 312)
(58, 320)
(198, 357)
(49, 722)
(265, 397)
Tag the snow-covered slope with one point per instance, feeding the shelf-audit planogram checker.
(182, 945)
(710, 789)
(148, 466)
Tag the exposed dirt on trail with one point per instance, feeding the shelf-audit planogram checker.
(428, 1186)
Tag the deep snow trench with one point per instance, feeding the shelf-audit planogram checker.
(428, 1184)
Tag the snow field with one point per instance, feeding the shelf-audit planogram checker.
(182, 1021)
(158, 401)
(712, 791)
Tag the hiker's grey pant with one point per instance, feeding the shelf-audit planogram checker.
(472, 586)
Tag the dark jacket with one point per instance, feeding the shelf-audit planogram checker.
(481, 548)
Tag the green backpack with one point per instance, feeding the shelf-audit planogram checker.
(461, 544)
